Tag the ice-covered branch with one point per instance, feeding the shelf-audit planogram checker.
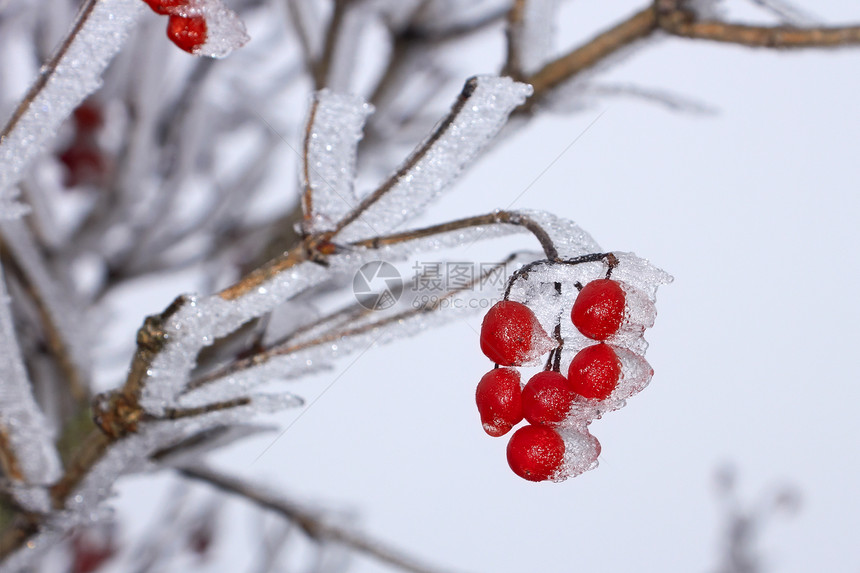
(72, 73)
(476, 117)
(530, 35)
(65, 328)
(335, 126)
(674, 18)
(27, 451)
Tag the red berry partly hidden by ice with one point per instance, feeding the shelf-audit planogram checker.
(187, 33)
(547, 398)
(536, 453)
(599, 309)
(512, 336)
(594, 372)
(165, 6)
(499, 399)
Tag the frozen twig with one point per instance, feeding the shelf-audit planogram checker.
(27, 453)
(63, 325)
(673, 18)
(72, 73)
(314, 525)
(529, 36)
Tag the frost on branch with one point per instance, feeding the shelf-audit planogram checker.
(531, 34)
(335, 126)
(477, 116)
(28, 453)
(73, 73)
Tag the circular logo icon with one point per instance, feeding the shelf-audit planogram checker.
(377, 285)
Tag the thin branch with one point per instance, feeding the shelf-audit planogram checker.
(314, 526)
(322, 66)
(497, 217)
(513, 64)
(413, 159)
(672, 18)
(307, 190)
(49, 68)
(342, 330)
(782, 37)
(638, 26)
(35, 278)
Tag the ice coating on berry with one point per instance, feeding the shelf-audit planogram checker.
(187, 33)
(536, 453)
(499, 400)
(165, 6)
(547, 398)
(594, 372)
(581, 450)
(635, 375)
(640, 311)
(225, 32)
(599, 309)
(512, 336)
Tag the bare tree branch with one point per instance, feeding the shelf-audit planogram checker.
(314, 525)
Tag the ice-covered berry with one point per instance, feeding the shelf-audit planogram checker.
(165, 6)
(512, 336)
(536, 453)
(547, 398)
(599, 309)
(187, 33)
(499, 400)
(594, 372)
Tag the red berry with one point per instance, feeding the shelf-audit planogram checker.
(511, 334)
(594, 372)
(599, 309)
(499, 401)
(187, 33)
(536, 453)
(165, 6)
(84, 163)
(547, 398)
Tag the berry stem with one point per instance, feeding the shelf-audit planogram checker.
(523, 271)
(495, 218)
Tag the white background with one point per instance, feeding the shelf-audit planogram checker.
(754, 211)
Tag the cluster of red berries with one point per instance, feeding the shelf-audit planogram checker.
(556, 444)
(186, 30)
(84, 159)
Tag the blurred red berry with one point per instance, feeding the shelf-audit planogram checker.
(90, 551)
(536, 453)
(594, 372)
(85, 165)
(547, 398)
(599, 309)
(499, 401)
(187, 33)
(511, 334)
